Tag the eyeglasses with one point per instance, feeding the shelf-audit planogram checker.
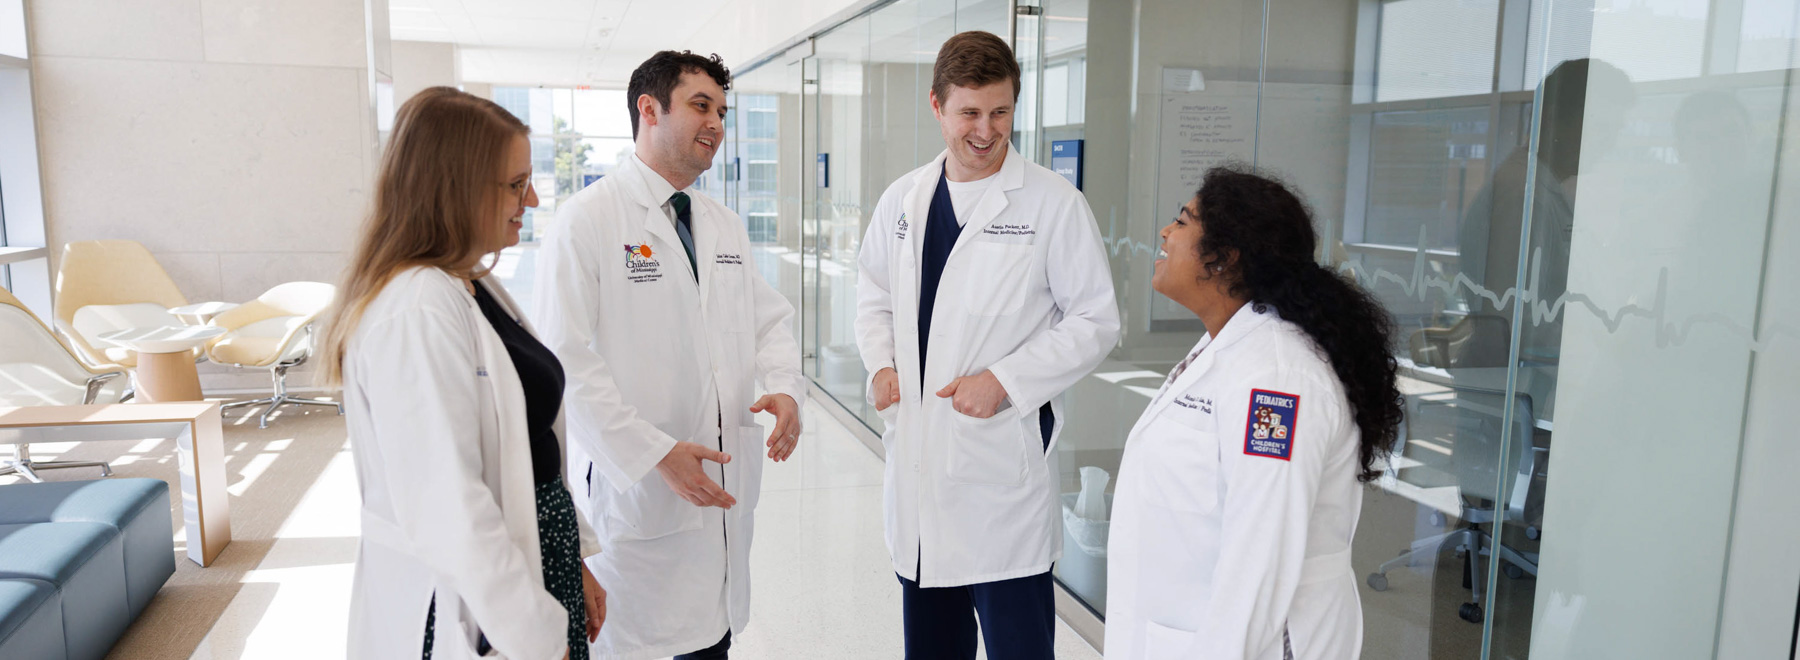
(522, 188)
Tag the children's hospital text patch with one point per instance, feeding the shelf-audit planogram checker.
(1270, 431)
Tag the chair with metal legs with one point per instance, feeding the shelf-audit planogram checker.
(38, 370)
(273, 332)
(1476, 453)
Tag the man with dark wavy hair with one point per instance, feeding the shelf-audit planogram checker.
(665, 328)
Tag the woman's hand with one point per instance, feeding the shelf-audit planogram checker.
(596, 602)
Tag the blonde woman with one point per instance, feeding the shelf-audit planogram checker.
(470, 543)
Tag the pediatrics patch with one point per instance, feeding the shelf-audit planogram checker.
(1270, 431)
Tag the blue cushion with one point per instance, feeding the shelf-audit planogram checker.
(52, 552)
(30, 620)
(87, 563)
(137, 508)
(99, 500)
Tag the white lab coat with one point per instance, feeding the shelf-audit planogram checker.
(1217, 548)
(1026, 293)
(653, 358)
(436, 418)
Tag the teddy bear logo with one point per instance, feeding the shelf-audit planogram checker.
(1268, 425)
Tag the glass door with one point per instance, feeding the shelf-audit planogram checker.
(841, 201)
(763, 172)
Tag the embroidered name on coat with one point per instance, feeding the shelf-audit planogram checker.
(1010, 230)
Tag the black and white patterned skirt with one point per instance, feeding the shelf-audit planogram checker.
(559, 540)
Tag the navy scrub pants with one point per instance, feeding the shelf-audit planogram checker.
(1017, 619)
(719, 651)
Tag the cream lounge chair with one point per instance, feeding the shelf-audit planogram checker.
(111, 285)
(273, 332)
(38, 370)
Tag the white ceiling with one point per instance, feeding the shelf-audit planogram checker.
(597, 42)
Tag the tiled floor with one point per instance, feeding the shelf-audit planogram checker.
(823, 585)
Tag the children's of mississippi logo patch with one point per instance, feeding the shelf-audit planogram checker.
(1270, 431)
(640, 265)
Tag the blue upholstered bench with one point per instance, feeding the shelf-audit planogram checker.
(78, 561)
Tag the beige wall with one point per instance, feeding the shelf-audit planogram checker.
(420, 64)
(234, 138)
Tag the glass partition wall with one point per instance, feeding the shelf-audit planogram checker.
(1580, 214)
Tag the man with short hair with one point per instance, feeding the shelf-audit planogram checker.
(983, 293)
(664, 328)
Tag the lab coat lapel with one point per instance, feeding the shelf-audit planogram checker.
(914, 212)
(706, 248)
(904, 268)
(1170, 388)
(654, 219)
(1245, 321)
(518, 497)
(993, 200)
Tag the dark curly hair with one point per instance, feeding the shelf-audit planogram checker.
(661, 74)
(1268, 228)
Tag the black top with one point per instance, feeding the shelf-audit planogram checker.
(941, 232)
(542, 376)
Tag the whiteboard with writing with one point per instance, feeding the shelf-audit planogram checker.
(1203, 124)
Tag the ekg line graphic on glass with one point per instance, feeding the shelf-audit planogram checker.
(1116, 243)
(1667, 333)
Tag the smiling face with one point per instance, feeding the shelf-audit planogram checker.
(680, 143)
(976, 124)
(1179, 271)
(513, 195)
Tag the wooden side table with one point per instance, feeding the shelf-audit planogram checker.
(165, 364)
(199, 437)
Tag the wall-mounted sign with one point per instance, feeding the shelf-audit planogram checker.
(1065, 159)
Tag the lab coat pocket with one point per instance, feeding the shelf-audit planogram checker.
(987, 451)
(650, 510)
(890, 420)
(1164, 643)
(752, 451)
(730, 298)
(994, 284)
(1185, 472)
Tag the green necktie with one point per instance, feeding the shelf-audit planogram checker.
(684, 221)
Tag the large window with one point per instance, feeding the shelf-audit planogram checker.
(757, 161)
(24, 258)
(577, 137)
(1432, 48)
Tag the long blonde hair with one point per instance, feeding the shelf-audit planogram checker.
(439, 176)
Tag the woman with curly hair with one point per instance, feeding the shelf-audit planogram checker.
(1239, 493)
